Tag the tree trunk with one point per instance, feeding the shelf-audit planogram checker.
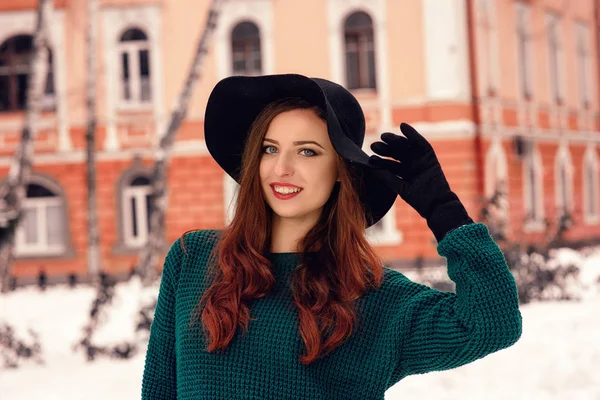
(93, 257)
(13, 194)
(155, 245)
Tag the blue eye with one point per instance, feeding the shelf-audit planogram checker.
(313, 153)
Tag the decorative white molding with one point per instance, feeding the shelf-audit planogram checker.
(337, 13)
(496, 167)
(115, 21)
(590, 160)
(258, 12)
(24, 23)
(388, 234)
(563, 157)
(446, 51)
(139, 193)
(534, 160)
(230, 191)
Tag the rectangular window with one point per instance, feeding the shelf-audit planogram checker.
(591, 188)
(533, 182)
(564, 183)
(583, 62)
(555, 56)
(524, 48)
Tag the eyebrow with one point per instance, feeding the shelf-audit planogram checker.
(300, 142)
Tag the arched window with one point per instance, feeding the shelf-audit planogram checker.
(134, 54)
(564, 181)
(591, 185)
(245, 49)
(42, 230)
(15, 67)
(533, 190)
(360, 51)
(136, 211)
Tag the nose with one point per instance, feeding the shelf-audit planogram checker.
(284, 165)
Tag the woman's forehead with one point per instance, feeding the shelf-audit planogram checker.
(297, 125)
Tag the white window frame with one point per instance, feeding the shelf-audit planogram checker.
(388, 234)
(563, 157)
(231, 189)
(337, 13)
(115, 20)
(133, 49)
(523, 24)
(496, 169)
(554, 27)
(139, 193)
(41, 247)
(534, 159)
(24, 22)
(259, 12)
(260, 44)
(364, 64)
(590, 160)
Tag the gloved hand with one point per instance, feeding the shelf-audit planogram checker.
(418, 179)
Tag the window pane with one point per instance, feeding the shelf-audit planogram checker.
(145, 91)
(37, 191)
(591, 188)
(532, 190)
(23, 44)
(257, 63)
(245, 30)
(56, 234)
(49, 83)
(4, 93)
(352, 70)
(22, 91)
(144, 64)
(132, 35)
(358, 20)
(145, 94)
(125, 76)
(563, 178)
(148, 208)
(134, 229)
(30, 225)
(372, 73)
(239, 66)
(140, 181)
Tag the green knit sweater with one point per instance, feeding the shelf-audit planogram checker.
(406, 328)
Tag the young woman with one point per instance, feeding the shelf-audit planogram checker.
(290, 301)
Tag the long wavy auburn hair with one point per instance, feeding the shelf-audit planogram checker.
(339, 269)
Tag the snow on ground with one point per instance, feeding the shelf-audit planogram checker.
(557, 357)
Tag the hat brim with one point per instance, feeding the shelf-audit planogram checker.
(236, 101)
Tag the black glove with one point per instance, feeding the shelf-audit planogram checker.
(418, 179)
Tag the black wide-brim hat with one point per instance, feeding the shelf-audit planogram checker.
(236, 101)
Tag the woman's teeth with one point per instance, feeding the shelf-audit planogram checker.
(281, 190)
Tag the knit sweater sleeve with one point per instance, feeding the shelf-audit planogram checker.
(444, 330)
(159, 380)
